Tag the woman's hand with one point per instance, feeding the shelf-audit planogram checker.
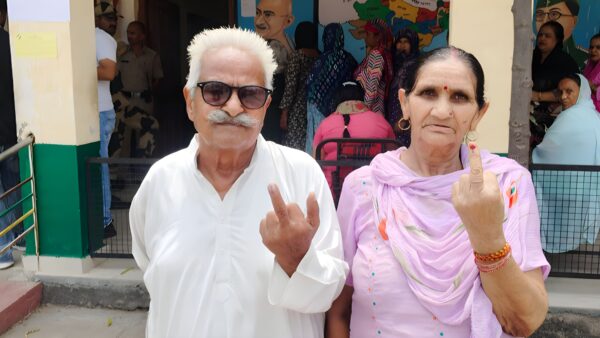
(479, 203)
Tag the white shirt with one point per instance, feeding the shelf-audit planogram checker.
(106, 48)
(205, 266)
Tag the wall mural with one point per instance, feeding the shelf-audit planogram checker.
(429, 18)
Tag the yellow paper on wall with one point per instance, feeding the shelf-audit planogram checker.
(35, 45)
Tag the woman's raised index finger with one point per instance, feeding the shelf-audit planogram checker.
(476, 167)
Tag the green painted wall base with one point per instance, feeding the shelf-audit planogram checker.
(60, 173)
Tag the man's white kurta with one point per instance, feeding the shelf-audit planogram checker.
(205, 266)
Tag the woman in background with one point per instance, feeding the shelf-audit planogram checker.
(406, 51)
(574, 137)
(351, 119)
(376, 71)
(592, 70)
(293, 103)
(332, 68)
(549, 64)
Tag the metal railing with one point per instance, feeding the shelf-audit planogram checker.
(569, 203)
(126, 176)
(27, 142)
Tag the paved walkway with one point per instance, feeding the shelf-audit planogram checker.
(53, 321)
(58, 321)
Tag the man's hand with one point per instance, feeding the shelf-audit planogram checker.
(479, 203)
(287, 232)
(106, 70)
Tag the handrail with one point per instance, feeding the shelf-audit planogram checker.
(28, 141)
(15, 149)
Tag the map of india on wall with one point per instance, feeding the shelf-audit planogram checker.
(429, 18)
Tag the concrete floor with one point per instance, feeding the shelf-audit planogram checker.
(53, 321)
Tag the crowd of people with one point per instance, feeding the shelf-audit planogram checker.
(555, 59)
(447, 230)
(238, 236)
(312, 80)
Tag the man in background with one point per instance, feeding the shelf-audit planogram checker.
(106, 63)
(140, 71)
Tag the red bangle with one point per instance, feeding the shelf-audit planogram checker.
(487, 267)
(494, 256)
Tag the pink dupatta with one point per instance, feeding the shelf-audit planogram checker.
(592, 73)
(428, 240)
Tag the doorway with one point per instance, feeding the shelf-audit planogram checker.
(171, 25)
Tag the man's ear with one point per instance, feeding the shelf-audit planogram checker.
(268, 102)
(290, 21)
(188, 103)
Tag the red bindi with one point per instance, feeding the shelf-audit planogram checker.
(445, 87)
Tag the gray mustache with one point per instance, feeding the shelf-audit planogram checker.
(219, 116)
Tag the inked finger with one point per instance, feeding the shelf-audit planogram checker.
(476, 167)
(312, 210)
(279, 205)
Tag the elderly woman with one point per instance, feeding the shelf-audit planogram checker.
(592, 69)
(573, 139)
(441, 239)
(549, 64)
(577, 127)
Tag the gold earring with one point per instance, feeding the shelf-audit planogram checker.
(405, 122)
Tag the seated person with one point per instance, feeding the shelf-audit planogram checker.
(549, 64)
(351, 119)
(574, 137)
(570, 211)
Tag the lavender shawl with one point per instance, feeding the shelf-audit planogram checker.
(432, 246)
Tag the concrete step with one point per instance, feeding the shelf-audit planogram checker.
(17, 300)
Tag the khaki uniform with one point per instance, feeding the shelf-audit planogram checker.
(134, 104)
(131, 119)
(137, 75)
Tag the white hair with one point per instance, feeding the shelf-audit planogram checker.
(237, 38)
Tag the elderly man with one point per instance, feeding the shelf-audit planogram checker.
(271, 19)
(212, 267)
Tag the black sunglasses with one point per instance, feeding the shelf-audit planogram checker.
(218, 93)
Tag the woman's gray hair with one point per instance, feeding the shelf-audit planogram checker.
(224, 37)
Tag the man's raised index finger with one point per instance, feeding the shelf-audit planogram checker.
(476, 172)
(278, 203)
